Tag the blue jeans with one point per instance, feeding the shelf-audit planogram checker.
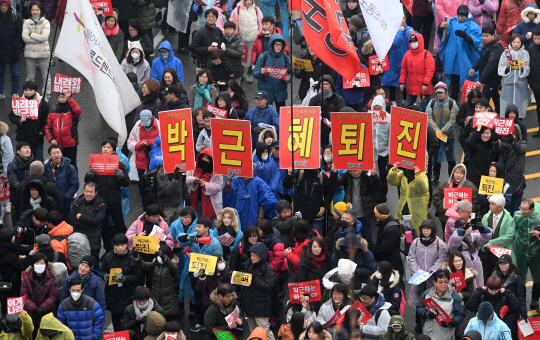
(412, 99)
(15, 77)
(317, 225)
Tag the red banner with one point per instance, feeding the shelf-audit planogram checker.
(486, 118)
(374, 62)
(220, 113)
(245, 54)
(104, 164)
(177, 140)
(408, 135)
(302, 137)
(231, 145)
(360, 80)
(64, 84)
(365, 315)
(499, 251)
(276, 73)
(451, 196)
(352, 141)
(15, 305)
(504, 127)
(408, 5)
(468, 86)
(4, 189)
(458, 280)
(105, 4)
(333, 320)
(379, 117)
(122, 335)
(297, 291)
(535, 325)
(25, 107)
(435, 308)
(327, 33)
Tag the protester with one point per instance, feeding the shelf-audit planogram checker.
(91, 278)
(114, 34)
(11, 26)
(63, 174)
(136, 34)
(207, 39)
(487, 320)
(165, 61)
(135, 62)
(203, 92)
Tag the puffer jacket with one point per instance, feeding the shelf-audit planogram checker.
(149, 102)
(512, 282)
(165, 283)
(234, 51)
(369, 190)
(276, 88)
(484, 12)
(146, 14)
(93, 287)
(50, 9)
(509, 16)
(397, 52)
(159, 65)
(207, 285)
(59, 236)
(110, 186)
(11, 267)
(365, 263)
(42, 294)
(67, 187)
(36, 37)
(11, 26)
(84, 317)
(130, 320)
(276, 251)
(137, 135)
(215, 315)
(62, 124)
(417, 68)
(249, 24)
(137, 228)
(221, 73)
(257, 298)
(450, 302)
(391, 292)
(204, 38)
(47, 201)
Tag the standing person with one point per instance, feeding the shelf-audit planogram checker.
(531, 20)
(204, 141)
(456, 263)
(35, 34)
(514, 68)
(260, 45)
(223, 101)
(462, 42)
(486, 321)
(149, 101)
(11, 26)
(207, 39)
(171, 190)
(135, 62)
(263, 113)
(137, 34)
(17, 326)
(114, 34)
(234, 49)
(238, 98)
(92, 281)
(444, 9)
(386, 247)
(126, 11)
(137, 317)
(483, 146)
(442, 112)
(223, 302)
(422, 19)
(62, 126)
(174, 99)
(19, 168)
(166, 60)
(320, 68)
(375, 303)
(202, 92)
(510, 16)
(314, 263)
(513, 152)
(387, 282)
(146, 15)
(284, 222)
(144, 225)
(534, 73)
(58, 170)
(484, 12)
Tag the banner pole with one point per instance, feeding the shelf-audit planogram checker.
(292, 92)
(46, 80)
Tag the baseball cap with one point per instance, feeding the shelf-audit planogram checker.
(440, 87)
(146, 118)
(172, 89)
(505, 258)
(261, 95)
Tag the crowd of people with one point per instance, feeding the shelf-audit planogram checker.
(74, 257)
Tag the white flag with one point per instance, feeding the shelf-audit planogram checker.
(383, 19)
(83, 45)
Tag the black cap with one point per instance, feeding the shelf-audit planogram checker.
(89, 260)
(172, 89)
(505, 258)
(29, 84)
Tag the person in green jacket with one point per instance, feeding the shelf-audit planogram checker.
(501, 222)
(397, 329)
(51, 327)
(414, 191)
(527, 244)
(16, 326)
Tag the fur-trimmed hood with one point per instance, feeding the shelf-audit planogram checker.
(214, 298)
(327, 335)
(470, 273)
(4, 128)
(50, 267)
(395, 279)
(361, 242)
(235, 222)
(530, 9)
(366, 47)
(261, 135)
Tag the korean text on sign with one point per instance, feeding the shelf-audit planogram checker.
(146, 244)
(458, 280)
(486, 118)
(379, 117)
(105, 4)
(419, 277)
(297, 291)
(240, 278)
(177, 140)
(302, 64)
(352, 141)
(504, 127)
(360, 80)
(452, 195)
(66, 84)
(219, 113)
(123, 335)
(104, 164)
(408, 135)
(301, 137)
(231, 318)
(231, 145)
(226, 239)
(276, 73)
(491, 185)
(365, 315)
(4, 189)
(434, 307)
(200, 261)
(468, 86)
(24, 107)
(374, 64)
(15, 304)
(499, 251)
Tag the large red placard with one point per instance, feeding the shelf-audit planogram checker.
(434, 307)
(104, 164)
(451, 196)
(231, 145)
(374, 62)
(408, 136)
(300, 137)
(105, 4)
(298, 289)
(177, 140)
(352, 141)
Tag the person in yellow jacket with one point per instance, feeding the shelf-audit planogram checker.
(16, 326)
(414, 191)
(52, 329)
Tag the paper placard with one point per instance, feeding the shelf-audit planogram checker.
(499, 251)
(231, 318)
(276, 73)
(491, 185)
(146, 244)
(360, 80)
(220, 113)
(525, 329)
(298, 289)
(24, 107)
(4, 189)
(374, 62)
(504, 127)
(352, 140)
(105, 4)
(468, 86)
(365, 315)
(104, 164)
(245, 54)
(441, 135)
(157, 231)
(458, 280)
(200, 261)
(240, 278)
(434, 307)
(302, 64)
(15, 305)
(484, 117)
(379, 117)
(451, 196)
(226, 239)
(63, 84)
(113, 275)
(123, 335)
(177, 140)
(419, 277)
(332, 320)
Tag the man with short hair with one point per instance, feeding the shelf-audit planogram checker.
(175, 98)
(463, 209)
(207, 39)
(374, 302)
(59, 233)
(60, 171)
(486, 321)
(284, 222)
(261, 117)
(11, 26)
(91, 278)
(20, 167)
(261, 43)
(32, 224)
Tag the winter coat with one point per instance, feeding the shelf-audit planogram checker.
(285, 228)
(527, 247)
(402, 335)
(377, 325)
(61, 10)
(248, 21)
(466, 109)
(267, 115)
(414, 193)
(110, 186)
(240, 104)
(267, 170)
(400, 46)
(51, 324)
(50, 189)
(89, 223)
(470, 275)
(457, 243)
(365, 263)
(40, 294)
(193, 92)
(137, 227)
(276, 88)
(149, 102)
(231, 111)
(36, 38)
(239, 256)
(50, 9)
(247, 196)
(443, 9)
(126, 10)
(483, 153)
(62, 124)
(534, 74)
(527, 25)
(172, 191)
(47, 201)
(422, 8)
(235, 229)
(320, 68)
(131, 322)
(59, 235)
(450, 302)
(203, 39)
(84, 317)
(222, 72)
(11, 26)
(137, 135)
(442, 117)
(512, 282)
(182, 251)
(213, 186)
(234, 52)
(261, 44)
(386, 247)
(31, 130)
(67, 185)
(506, 232)
(10, 268)
(215, 315)
(146, 14)
(276, 254)
(510, 16)
(308, 271)
(513, 157)
(140, 68)
(270, 8)
(488, 63)
(514, 80)
(369, 190)
(17, 171)
(118, 298)
(205, 286)
(115, 37)
(391, 292)
(257, 297)
(146, 44)
(93, 287)
(159, 65)
(333, 104)
(25, 332)
(27, 231)
(352, 96)
(429, 259)
(327, 311)
(181, 103)
(495, 327)
(484, 12)
(6, 148)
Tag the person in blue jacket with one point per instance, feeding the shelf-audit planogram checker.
(251, 197)
(486, 321)
(66, 180)
(262, 114)
(400, 46)
(461, 41)
(92, 281)
(156, 154)
(280, 192)
(265, 167)
(276, 58)
(531, 20)
(166, 60)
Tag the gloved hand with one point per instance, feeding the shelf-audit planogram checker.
(478, 226)
(183, 238)
(187, 203)
(106, 277)
(158, 253)
(135, 253)
(430, 315)
(451, 324)
(120, 278)
(460, 33)
(38, 311)
(177, 173)
(193, 239)
(510, 138)
(257, 130)
(119, 173)
(298, 215)
(91, 172)
(230, 177)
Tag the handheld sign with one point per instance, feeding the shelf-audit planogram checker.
(419, 277)
(504, 127)
(157, 231)
(451, 196)
(177, 140)
(441, 135)
(276, 73)
(408, 137)
(15, 305)
(104, 164)
(352, 140)
(200, 261)
(4, 189)
(231, 147)
(458, 280)
(499, 251)
(491, 185)
(360, 80)
(332, 320)
(146, 244)
(231, 318)
(113, 275)
(486, 118)
(379, 117)
(365, 315)
(302, 64)
(528, 330)
(64, 84)
(435, 308)
(220, 113)
(298, 289)
(223, 335)
(242, 279)
(374, 63)
(468, 86)
(103, 4)
(226, 239)
(300, 136)
(24, 107)
(123, 335)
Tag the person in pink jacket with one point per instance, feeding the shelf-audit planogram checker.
(510, 16)
(462, 209)
(445, 9)
(144, 226)
(484, 12)
(248, 19)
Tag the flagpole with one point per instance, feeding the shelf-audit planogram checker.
(51, 54)
(292, 91)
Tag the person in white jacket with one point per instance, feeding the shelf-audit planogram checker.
(205, 137)
(35, 34)
(339, 299)
(381, 130)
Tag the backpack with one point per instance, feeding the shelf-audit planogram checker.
(77, 247)
(450, 104)
(404, 246)
(61, 274)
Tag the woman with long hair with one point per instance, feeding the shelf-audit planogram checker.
(386, 280)
(456, 263)
(315, 331)
(170, 77)
(239, 254)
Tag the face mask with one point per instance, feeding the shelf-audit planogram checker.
(327, 159)
(135, 56)
(165, 57)
(160, 261)
(232, 94)
(414, 45)
(264, 157)
(76, 296)
(39, 268)
(221, 266)
(143, 307)
(378, 275)
(266, 32)
(396, 330)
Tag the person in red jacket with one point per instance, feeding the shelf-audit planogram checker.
(61, 128)
(417, 69)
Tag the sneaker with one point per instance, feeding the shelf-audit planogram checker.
(249, 78)
(152, 54)
(52, 63)
(197, 328)
(435, 180)
(15, 95)
(2, 95)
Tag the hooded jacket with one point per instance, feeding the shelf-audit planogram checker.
(484, 12)
(84, 317)
(47, 202)
(137, 135)
(42, 293)
(203, 39)
(67, 185)
(480, 238)
(36, 38)
(51, 327)
(143, 39)
(141, 67)
(443, 9)
(510, 16)
(62, 124)
(115, 37)
(226, 96)
(365, 263)
(377, 325)
(488, 63)
(261, 43)
(276, 88)
(391, 292)
(402, 335)
(215, 315)
(93, 287)
(276, 251)
(256, 115)
(483, 154)
(387, 245)
(451, 303)
(11, 26)
(333, 104)
(513, 154)
(397, 52)
(91, 218)
(266, 169)
(24, 333)
(59, 236)
(171, 191)
(320, 68)
(417, 68)
(234, 51)
(31, 130)
(137, 228)
(152, 103)
(27, 231)
(512, 282)
(527, 247)
(257, 297)
(234, 229)
(154, 327)
(495, 327)
(517, 121)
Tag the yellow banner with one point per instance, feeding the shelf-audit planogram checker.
(441, 135)
(491, 185)
(200, 261)
(113, 276)
(302, 64)
(146, 244)
(239, 278)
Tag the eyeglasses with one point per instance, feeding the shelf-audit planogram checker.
(253, 236)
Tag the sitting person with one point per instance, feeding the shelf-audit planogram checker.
(135, 314)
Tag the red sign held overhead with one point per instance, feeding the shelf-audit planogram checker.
(408, 136)
(352, 141)
(451, 196)
(177, 140)
(435, 308)
(468, 86)
(458, 280)
(220, 113)
(104, 4)
(231, 145)
(104, 164)
(374, 63)
(64, 84)
(301, 137)
(15, 305)
(297, 291)
(504, 127)
(486, 118)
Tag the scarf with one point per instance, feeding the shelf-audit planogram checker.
(428, 241)
(141, 313)
(318, 260)
(35, 203)
(112, 31)
(202, 93)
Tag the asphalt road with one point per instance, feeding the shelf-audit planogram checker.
(93, 130)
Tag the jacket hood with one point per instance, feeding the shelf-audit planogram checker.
(234, 214)
(276, 37)
(394, 278)
(330, 80)
(258, 332)
(40, 188)
(352, 240)
(345, 271)
(531, 8)
(365, 44)
(517, 129)
(154, 323)
(398, 320)
(226, 96)
(136, 44)
(420, 48)
(263, 132)
(427, 223)
(512, 107)
(4, 128)
(260, 249)
(157, 141)
(460, 165)
(207, 151)
(168, 46)
(378, 100)
(50, 323)
(452, 212)
(63, 229)
(260, 149)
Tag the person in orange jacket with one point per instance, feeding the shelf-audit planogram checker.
(59, 233)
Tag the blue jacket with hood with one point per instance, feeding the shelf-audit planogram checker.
(66, 186)
(268, 115)
(160, 64)
(528, 25)
(92, 287)
(267, 170)
(400, 46)
(276, 88)
(496, 327)
(156, 154)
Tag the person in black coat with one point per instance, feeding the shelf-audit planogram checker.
(534, 74)
(223, 300)
(174, 98)
(467, 109)
(223, 101)
(388, 239)
(319, 69)
(11, 25)
(483, 145)
(134, 319)
(238, 98)
(34, 195)
(240, 253)
(355, 248)
(220, 67)
(109, 187)
(351, 8)
(387, 281)
(511, 281)
(207, 39)
(126, 11)
(31, 224)
(136, 33)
